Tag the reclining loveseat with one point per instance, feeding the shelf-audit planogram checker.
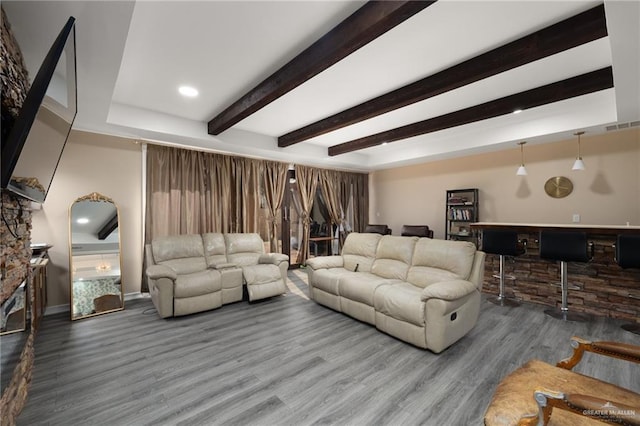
(421, 290)
(194, 273)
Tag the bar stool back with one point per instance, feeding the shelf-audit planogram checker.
(502, 242)
(628, 256)
(565, 246)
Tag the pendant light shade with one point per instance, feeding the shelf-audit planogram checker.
(521, 170)
(578, 164)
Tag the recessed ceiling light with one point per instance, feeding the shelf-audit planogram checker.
(188, 91)
(82, 220)
(517, 111)
(384, 143)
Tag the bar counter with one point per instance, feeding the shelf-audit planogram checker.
(605, 289)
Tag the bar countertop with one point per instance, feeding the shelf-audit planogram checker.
(536, 227)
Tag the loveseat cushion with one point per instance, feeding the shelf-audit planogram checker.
(244, 249)
(197, 284)
(401, 301)
(215, 251)
(393, 257)
(440, 260)
(182, 253)
(361, 286)
(360, 250)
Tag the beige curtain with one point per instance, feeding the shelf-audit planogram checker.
(331, 187)
(307, 178)
(248, 194)
(345, 197)
(175, 192)
(274, 182)
(218, 195)
(360, 188)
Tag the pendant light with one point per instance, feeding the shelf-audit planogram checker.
(521, 170)
(578, 164)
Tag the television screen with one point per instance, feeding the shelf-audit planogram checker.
(33, 148)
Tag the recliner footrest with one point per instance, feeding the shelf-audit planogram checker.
(263, 281)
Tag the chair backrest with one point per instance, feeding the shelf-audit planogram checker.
(628, 251)
(244, 249)
(360, 249)
(377, 229)
(393, 257)
(182, 253)
(441, 260)
(416, 231)
(567, 246)
(501, 241)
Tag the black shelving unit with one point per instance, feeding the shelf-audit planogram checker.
(461, 212)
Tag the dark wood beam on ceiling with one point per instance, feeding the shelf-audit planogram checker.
(366, 24)
(580, 29)
(575, 86)
(108, 227)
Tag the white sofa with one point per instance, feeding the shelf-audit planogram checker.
(194, 273)
(421, 290)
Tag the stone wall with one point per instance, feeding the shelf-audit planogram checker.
(15, 226)
(604, 287)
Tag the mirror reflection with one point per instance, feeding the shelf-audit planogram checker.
(96, 280)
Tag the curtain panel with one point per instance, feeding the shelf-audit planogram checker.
(191, 192)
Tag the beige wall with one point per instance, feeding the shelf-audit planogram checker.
(105, 164)
(608, 192)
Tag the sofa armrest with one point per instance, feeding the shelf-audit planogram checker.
(222, 265)
(161, 271)
(448, 290)
(325, 262)
(273, 258)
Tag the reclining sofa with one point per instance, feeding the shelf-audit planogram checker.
(194, 273)
(423, 291)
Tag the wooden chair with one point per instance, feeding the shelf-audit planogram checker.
(542, 394)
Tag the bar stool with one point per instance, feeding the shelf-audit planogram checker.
(565, 246)
(502, 242)
(627, 255)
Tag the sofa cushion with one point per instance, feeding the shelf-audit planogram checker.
(393, 257)
(182, 253)
(244, 249)
(215, 251)
(400, 301)
(360, 249)
(197, 284)
(361, 286)
(438, 260)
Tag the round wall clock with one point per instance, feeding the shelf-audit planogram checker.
(558, 187)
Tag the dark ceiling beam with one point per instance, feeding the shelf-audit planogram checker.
(582, 28)
(576, 86)
(369, 22)
(108, 227)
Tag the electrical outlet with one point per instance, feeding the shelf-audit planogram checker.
(576, 218)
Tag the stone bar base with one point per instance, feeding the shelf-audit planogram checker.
(605, 288)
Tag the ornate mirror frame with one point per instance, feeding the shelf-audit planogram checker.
(95, 257)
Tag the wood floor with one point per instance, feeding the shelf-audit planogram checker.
(288, 361)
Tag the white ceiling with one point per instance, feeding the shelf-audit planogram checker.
(132, 56)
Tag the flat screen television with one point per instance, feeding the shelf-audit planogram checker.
(33, 145)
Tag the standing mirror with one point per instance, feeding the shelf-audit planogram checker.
(94, 258)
